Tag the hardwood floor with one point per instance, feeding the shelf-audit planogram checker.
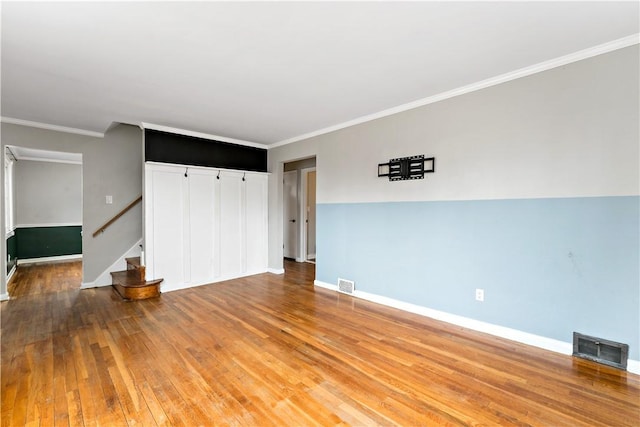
(274, 350)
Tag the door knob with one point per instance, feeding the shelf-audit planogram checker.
(292, 220)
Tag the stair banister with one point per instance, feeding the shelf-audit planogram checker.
(118, 215)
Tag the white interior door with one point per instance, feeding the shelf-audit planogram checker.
(290, 214)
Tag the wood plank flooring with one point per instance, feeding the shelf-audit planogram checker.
(272, 350)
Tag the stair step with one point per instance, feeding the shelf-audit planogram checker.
(133, 261)
(135, 267)
(125, 278)
(130, 287)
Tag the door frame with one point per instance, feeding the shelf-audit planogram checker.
(285, 220)
(303, 212)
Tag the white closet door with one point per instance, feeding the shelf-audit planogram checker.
(256, 223)
(168, 211)
(201, 226)
(230, 241)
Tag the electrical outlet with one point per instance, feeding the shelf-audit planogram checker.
(108, 200)
(479, 294)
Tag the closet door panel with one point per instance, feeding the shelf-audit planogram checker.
(201, 227)
(256, 223)
(168, 227)
(230, 241)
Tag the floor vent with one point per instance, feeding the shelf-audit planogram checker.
(599, 350)
(346, 286)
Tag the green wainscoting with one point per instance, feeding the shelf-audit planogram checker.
(12, 252)
(39, 242)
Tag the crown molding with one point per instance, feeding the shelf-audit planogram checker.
(201, 135)
(40, 159)
(11, 120)
(493, 81)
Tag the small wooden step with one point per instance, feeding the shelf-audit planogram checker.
(130, 287)
(133, 262)
(135, 267)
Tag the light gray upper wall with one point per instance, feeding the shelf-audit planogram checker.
(111, 166)
(47, 193)
(567, 132)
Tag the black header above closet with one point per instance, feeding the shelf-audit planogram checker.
(165, 147)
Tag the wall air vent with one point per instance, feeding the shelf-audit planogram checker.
(346, 286)
(599, 350)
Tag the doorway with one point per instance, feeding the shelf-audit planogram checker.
(299, 210)
(43, 206)
(309, 213)
(290, 214)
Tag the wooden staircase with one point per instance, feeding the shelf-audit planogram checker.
(131, 283)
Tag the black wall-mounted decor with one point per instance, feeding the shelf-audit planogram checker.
(165, 147)
(402, 168)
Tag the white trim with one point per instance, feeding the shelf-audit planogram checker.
(47, 126)
(40, 159)
(48, 259)
(325, 285)
(104, 279)
(275, 270)
(4, 297)
(9, 234)
(633, 366)
(304, 215)
(11, 273)
(185, 132)
(53, 224)
(502, 78)
(539, 341)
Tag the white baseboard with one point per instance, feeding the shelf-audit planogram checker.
(4, 297)
(633, 366)
(275, 270)
(545, 343)
(49, 259)
(11, 273)
(104, 279)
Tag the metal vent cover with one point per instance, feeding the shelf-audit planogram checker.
(346, 286)
(600, 350)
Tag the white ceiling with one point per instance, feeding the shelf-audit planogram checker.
(269, 72)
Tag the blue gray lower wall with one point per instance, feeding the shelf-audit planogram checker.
(548, 266)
